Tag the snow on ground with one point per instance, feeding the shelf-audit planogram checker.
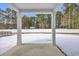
(68, 43)
(36, 38)
(7, 42)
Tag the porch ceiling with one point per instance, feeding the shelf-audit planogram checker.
(34, 6)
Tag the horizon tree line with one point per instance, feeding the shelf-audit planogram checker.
(69, 18)
(8, 20)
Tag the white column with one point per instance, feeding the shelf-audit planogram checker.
(19, 37)
(53, 27)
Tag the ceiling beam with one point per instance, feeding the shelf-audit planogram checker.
(36, 10)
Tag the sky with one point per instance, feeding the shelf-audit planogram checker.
(29, 14)
(3, 6)
(61, 8)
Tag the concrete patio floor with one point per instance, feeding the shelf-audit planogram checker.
(34, 50)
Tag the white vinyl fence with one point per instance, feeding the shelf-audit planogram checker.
(74, 31)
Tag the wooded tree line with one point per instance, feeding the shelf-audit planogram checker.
(69, 18)
(39, 21)
(8, 20)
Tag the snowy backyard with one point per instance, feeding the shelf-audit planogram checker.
(67, 42)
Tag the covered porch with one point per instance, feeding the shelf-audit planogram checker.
(34, 49)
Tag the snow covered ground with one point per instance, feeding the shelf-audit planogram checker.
(68, 43)
(7, 42)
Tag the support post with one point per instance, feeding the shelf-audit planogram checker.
(19, 37)
(53, 26)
